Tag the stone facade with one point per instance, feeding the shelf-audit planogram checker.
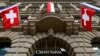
(32, 32)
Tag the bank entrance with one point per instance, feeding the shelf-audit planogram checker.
(51, 46)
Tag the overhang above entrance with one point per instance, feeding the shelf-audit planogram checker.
(51, 22)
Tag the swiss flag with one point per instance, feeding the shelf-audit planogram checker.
(10, 16)
(86, 17)
(50, 7)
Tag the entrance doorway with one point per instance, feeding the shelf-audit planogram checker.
(51, 46)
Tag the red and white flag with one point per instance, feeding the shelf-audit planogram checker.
(50, 7)
(86, 17)
(10, 16)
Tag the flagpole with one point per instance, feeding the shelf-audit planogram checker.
(91, 6)
(9, 7)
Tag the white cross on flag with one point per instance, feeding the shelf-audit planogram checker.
(86, 18)
(10, 16)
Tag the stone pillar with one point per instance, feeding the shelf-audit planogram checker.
(69, 28)
(31, 22)
(32, 28)
(25, 28)
(75, 29)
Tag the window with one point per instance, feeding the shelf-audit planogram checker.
(5, 43)
(76, 16)
(96, 45)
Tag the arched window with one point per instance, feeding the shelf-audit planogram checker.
(5, 43)
(96, 45)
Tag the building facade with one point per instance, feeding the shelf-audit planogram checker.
(39, 30)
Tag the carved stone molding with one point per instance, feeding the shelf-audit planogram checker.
(31, 23)
(50, 31)
(75, 30)
(32, 30)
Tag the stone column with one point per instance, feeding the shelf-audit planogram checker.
(31, 22)
(32, 28)
(69, 28)
(75, 30)
(25, 28)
